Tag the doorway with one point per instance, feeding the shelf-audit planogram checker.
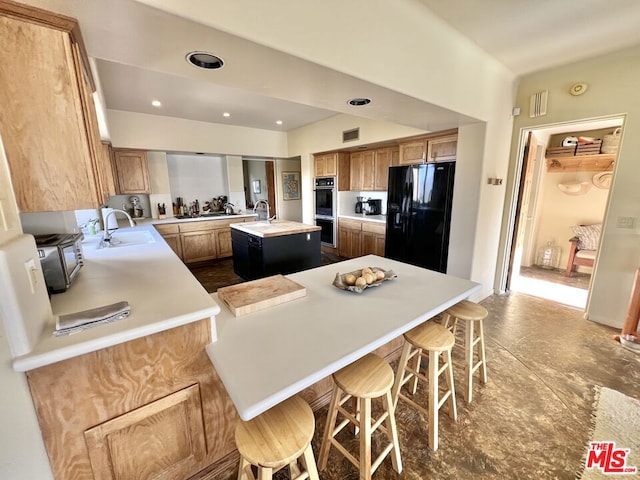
(554, 199)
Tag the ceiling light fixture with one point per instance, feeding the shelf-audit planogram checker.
(226, 114)
(156, 103)
(205, 60)
(359, 102)
(279, 122)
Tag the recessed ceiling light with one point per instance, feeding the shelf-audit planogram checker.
(156, 103)
(359, 102)
(279, 122)
(226, 114)
(205, 60)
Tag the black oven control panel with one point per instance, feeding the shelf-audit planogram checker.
(325, 182)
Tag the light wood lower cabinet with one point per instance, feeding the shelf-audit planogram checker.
(151, 408)
(357, 238)
(200, 241)
(163, 439)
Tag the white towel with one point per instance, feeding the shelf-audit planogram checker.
(78, 321)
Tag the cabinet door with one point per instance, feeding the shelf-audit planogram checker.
(368, 170)
(331, 165)
(132, 171)
(163, 439)
(355, 171)
(344, 246)
(174, 242)
(412, 152)
(384, 158)
(319, 165)
(198, 246)
(42, 118)
(224, 243)
(442, 149)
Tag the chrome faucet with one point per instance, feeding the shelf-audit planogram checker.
(255, 208)
(107, 234)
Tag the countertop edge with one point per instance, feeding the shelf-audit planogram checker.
(365, 218)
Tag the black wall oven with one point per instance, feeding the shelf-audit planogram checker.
(325, 209)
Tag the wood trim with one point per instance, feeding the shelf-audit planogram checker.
(51, 20)
(582, 163)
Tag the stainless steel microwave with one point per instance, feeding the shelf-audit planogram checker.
(61, 259)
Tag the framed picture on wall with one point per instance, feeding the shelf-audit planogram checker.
(256, 186)
(291, 185)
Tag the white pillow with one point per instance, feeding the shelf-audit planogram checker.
(588, 236)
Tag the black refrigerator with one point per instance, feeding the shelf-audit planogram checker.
(419, 214)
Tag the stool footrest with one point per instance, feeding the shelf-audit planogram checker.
(345, 452)
(381, 457)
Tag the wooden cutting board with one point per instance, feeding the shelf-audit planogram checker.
(250, 297)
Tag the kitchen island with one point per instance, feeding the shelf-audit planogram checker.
(262, 249)
(266, 357)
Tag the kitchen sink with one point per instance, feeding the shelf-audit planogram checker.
(127, 239)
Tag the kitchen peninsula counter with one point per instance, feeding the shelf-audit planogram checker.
(160, 289)
(266, 357)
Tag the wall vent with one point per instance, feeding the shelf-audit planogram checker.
(351, 135)
(538, 105)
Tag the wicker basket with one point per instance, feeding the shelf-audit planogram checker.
(611, 142)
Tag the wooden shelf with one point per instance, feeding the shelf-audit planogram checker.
(582, 163)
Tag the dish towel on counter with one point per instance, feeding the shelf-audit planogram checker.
(78, 321)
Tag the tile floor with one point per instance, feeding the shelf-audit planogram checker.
(531, 420)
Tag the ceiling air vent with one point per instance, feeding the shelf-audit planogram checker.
(538, 106)
(351, 135)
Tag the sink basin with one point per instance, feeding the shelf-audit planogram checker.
(127, 239)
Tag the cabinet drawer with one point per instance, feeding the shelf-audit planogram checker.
(167, 229)
(196, 227)
(374, 227)
(350, 224)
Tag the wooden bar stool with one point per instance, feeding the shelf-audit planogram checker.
(279, 437)
(368, 378)
(471, 313)
(435, 340)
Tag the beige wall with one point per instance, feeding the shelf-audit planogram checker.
(613, 81)
(169, 134)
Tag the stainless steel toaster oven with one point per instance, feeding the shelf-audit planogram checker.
(61, 259)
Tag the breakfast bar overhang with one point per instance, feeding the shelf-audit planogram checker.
(268, 356)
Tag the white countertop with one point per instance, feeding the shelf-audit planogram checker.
(365, 218)
(275, 228)
(160, 289)
(268, 356)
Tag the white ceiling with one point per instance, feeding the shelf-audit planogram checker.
(140, 57)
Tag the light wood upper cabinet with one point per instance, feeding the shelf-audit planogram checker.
(413, 152)
(326, 165)
(43, 119)
(355, 170)
(385, 158)
(442, 149)
(132, 171)
(368, 170)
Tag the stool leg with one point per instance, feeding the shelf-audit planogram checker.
(433, 400)
(355, 402)
(483, 366)
(453, 410)
(294, 469)
(414, 382)
(265, 473)
(332, 414)
(244, 471)
(365, 439)
(402, 364)
(310, 463)
(387, 401)
(468, 357)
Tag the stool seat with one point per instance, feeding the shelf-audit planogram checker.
(431, 336)
(369, 377)
(278, 436)
(466, 310)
